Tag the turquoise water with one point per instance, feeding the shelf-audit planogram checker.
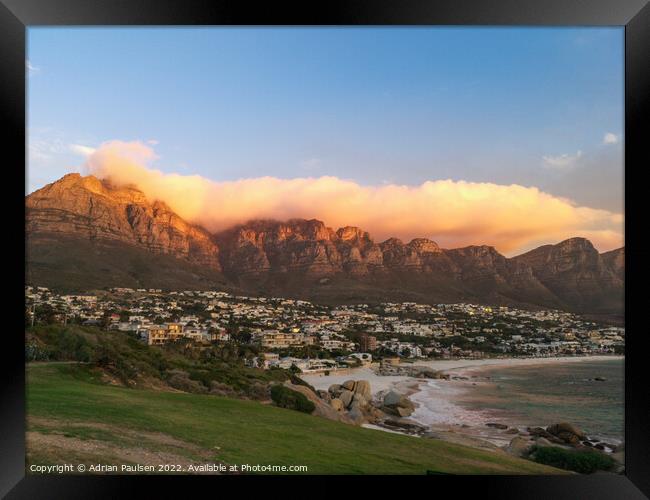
(555, 392)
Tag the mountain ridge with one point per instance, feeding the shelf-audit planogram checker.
(302, 258)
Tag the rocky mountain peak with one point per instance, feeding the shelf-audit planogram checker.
(424, 245)
(92, 209)
(391, 243)
(353, 234)
(576, 244)
(305, 258)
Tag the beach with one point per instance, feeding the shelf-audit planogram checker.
(507, 391)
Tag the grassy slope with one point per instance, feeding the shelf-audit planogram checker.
(247, 431)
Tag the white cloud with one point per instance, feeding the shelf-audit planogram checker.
(81, 150)
(610, 138)
(153, 142)
(31, 68)
(561, 161)
(453, 213)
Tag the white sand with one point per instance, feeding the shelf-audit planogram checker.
(377, 382)
(380, 383)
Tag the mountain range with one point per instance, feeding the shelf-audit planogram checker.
(84, 233)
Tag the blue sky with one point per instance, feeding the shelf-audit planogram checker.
(529, 106)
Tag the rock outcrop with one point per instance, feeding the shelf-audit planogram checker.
(568, 433)
(519, 446)
(93, 210)
(322, 408)
(577, 274)
(397, 404)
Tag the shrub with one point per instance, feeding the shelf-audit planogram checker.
(34, 352)
(105, 356)
(220, 389)
(71, 346)
(180, 380)
(582, 461)
(286, 398)
(258, 391)
(294, 369)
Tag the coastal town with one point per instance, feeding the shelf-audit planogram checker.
(310, 338)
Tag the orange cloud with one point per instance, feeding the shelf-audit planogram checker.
(512, 218)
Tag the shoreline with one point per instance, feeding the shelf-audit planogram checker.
(437, 401)
(379, 383)
(475, 365)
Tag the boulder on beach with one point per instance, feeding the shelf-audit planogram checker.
(324, 395)
(421, 372)
(337, 404)
(495, 425)
(346, 398)
(394, 398)
(349, 385)
(566, 432)
(397, 404)
(335, 390)
(322, 409)
(536, 431)
(404, 412)
(375, 414)
(519, 446)
(360, 400)
(405, 425)
(357, 415)
(541, 432)
(363, 389)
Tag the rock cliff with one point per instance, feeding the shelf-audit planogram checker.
(305, 258)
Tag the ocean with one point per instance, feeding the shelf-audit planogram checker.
(540, 395)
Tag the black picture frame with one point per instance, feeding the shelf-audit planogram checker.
(634, 15)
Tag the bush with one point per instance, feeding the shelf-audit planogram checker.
(220, 389)
(34, 352)
(107, 357)
(286, 398)
(258, 391)
(70, 345)
(181, 380)
(582, 461)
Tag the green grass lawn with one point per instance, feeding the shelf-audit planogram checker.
(237, 431)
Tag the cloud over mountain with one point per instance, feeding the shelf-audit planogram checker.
(512, 218)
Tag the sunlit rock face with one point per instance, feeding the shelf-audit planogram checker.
(92, 209)
(297, 256)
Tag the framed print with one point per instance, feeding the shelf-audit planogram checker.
(374, 240)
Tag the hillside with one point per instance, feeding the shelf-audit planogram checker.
(73, 417)
(119, 358)
(72, 264)
(85, 233)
